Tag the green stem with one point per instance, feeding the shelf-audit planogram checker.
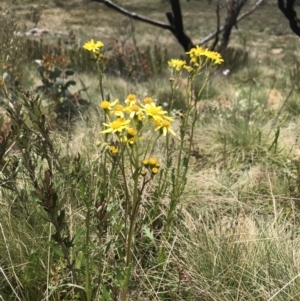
(100, 81)
(135, 207)
(87, 261)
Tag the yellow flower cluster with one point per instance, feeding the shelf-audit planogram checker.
(196, 55)
(152, 165)
(126, 120)
(94, 48)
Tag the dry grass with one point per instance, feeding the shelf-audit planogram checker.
(236, 236)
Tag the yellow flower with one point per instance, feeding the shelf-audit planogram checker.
(106, 105)
(131, 132)
(189, 68)
(157, 113)
(165, 126)
(117, 125)
(194, 62)
(176, 64)
(92, 46)
(148, 100)
(196, 52)
(145, 162)
(141, 117)
(131, 99)
(113, 150)
(118, 111)
(154, 170)
(143, 172)
(152, 161)
(133, 110)
(127, 140)
(214, 56)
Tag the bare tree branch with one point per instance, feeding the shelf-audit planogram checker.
(176, 24)
(133, 15)
(290, 13)
(231, 20)
(218, 26)
(175, 20)
(240, 18)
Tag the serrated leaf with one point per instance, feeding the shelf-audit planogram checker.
(149, 234)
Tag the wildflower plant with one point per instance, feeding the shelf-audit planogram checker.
(135, 128)
(128, 195)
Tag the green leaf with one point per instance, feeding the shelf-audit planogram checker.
(149, 234)
(79, 259)
(57, 250)
(105, 295)
(78, 234)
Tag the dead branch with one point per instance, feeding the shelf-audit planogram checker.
(133, 15)
(289, 11)
(231, 20)
(218, 26)
(174, 18)
(240, 18)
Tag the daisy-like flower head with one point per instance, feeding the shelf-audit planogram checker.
(154, 170)
(196, 52)
(118, 111)
(117, 125)
(177, 64)
(164, 126)
(143, 172)
(148, 100)
(131, 99)
(145, 162)
(152, 161)
(154, 112)
(93, 46)
(106, 105)
(214, 56)
(133, 110)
